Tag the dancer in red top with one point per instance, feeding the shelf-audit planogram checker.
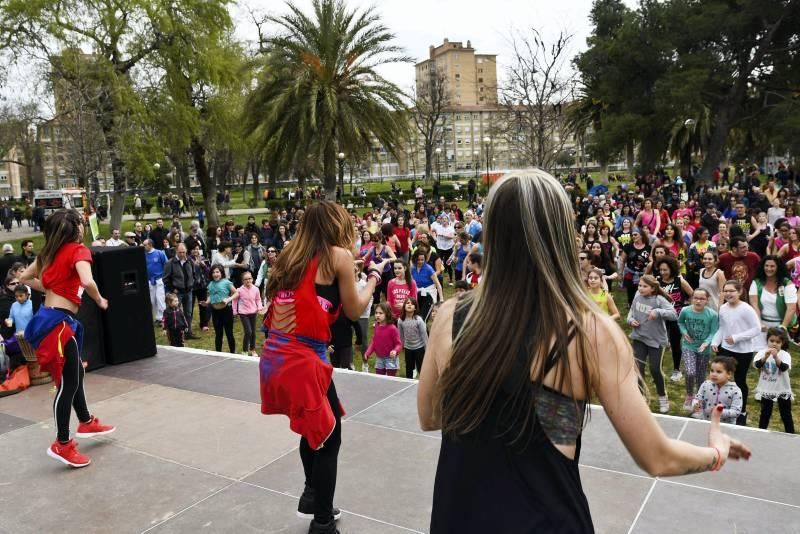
(308, 286)
(63, 271)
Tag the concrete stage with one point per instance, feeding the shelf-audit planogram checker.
(193, 454)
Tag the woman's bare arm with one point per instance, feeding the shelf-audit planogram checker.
(617, 386)
(30, 278)
(353, 303)
(437, 351)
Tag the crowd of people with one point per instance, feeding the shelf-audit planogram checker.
(221, 273)
(710, 274)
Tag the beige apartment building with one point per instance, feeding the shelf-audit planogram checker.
(470, 78)
(471, 126)
(11, 175)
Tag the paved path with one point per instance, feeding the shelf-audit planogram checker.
(25, 231)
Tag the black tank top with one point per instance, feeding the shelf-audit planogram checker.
(484, 484)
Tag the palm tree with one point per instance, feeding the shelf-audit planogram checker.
(320, 93)
(689, 136)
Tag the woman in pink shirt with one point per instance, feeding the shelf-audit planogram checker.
(248, 304)
(401, 287)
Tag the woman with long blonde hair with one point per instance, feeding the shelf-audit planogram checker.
(510, 369)
(310, 284)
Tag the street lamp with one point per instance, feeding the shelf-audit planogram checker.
(340, 157)
(438, 168)
(476, 162)
(486, 143)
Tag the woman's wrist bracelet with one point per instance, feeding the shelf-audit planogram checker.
(718, 464)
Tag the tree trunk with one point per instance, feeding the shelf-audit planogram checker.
(629, 158)
(603, 172)
(208, 187)
(255, 169)
(118, 204)
(428, 162)
(329, 171)
(716, 146)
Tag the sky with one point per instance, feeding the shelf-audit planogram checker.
(417, 24)
(488, 24)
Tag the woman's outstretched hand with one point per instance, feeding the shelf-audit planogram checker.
(729, 448)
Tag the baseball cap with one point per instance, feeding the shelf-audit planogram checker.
(7, 248)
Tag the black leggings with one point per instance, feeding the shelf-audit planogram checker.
(674, 335)
(425, 304)
(448, 268)
(200, 295)
(249, 327)
(743, 362)
(223, 320)
(70, 392)
(414, 361)
(785, 408)
(320, 466)
(644, 354)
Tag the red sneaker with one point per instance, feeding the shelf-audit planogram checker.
(67, 453)
(93, 428)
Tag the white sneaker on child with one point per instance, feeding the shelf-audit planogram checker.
(415, 374)
(676, 376)
(687, 405)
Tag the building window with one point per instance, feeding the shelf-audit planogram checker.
(480, 89)
(458, 76)
(480, 80)
(481, 99)
(459, 141)
(480, 70)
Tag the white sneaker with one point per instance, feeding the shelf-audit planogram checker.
(677, 376)
(415, 374)
(687, 405)
(663, 404)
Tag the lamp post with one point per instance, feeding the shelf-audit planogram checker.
(438, 167)
(340, 157)
(476, 162)
(487, 143)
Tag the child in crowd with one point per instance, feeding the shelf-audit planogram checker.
(698, 324)
(603, 298)
(474, 275)
(385, 342)
(773, 382)
(650, 309)
(363, 320)
(413, 336)
(401, 287)
(719, 389)
(22, 310)
(175, 325)
(462, 286)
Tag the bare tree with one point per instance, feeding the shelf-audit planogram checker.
(85, 149)
(19, 137)
(536, 90)
(431, 103)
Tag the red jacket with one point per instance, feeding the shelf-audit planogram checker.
(294, 369)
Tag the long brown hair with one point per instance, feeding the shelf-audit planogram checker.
(62, 227)
(325, 225)
(527, 296)
(652, 282)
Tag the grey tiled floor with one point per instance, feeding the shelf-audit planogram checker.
(192, 453)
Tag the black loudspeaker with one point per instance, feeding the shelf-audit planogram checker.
(93, 351)
(127, 325)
